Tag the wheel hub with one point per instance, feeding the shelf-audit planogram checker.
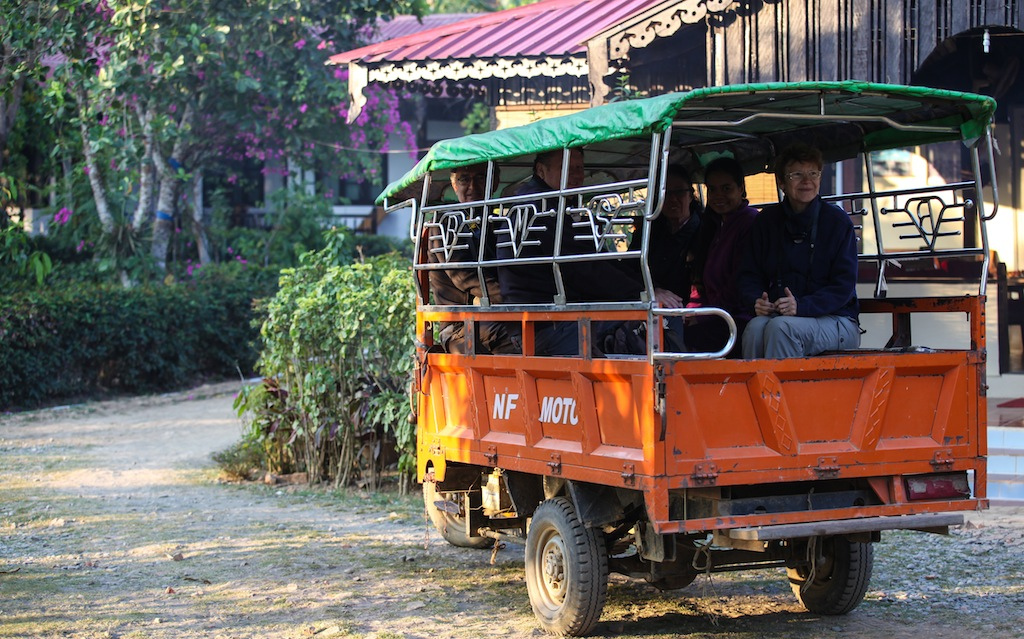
(553, 568)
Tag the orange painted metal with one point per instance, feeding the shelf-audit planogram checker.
(874, 415)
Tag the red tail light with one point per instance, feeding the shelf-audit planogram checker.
(937, 486)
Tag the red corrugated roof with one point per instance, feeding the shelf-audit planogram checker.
(401, 26)
(549, 27)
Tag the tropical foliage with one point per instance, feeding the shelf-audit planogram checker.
(72, 343)
(140, 99)
(137, 278)
(336, 356)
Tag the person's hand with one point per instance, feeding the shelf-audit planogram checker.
(786, 305)
(763, 306)
(667, 299)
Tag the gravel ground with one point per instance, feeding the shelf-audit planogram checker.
(113, 524)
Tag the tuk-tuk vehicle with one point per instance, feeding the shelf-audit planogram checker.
(665, 465)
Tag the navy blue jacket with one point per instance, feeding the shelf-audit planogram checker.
(591, 281)
(817, 261)
(668, 251)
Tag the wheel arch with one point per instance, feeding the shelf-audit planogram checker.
(598, 505)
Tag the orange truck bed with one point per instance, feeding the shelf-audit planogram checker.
(882, 417)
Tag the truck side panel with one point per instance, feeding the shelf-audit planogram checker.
(839, 415)
(562, 413)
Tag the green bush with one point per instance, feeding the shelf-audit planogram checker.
(21, 262)
(241, 461)
(337, 349)
(92, 339)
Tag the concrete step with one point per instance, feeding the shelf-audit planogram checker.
(1003, 489)
(1006, 464)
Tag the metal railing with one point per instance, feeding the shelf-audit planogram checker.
(601, 214)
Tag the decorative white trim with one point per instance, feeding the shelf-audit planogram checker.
(603, 49)
(360, 75)
(660, 22)
(357, 81)
(608, 49)
(503, 68)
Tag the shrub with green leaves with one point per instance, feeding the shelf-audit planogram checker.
(58, 344)
(20, 260)
(337, 354)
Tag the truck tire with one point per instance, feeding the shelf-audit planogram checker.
(840, 579)
(451, 526)
(566, 570)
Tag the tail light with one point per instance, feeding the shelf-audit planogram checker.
(937, 486)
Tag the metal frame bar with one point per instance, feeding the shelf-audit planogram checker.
(655, 186)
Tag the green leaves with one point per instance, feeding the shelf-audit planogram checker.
(87, 339)
(338, 341)
(17, 253)
(40, 265)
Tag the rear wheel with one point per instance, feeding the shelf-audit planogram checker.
(450, 519)
(566, 569)
(840, 576)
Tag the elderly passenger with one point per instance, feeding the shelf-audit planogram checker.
(586, 281)
(800, 274)
(462, 286)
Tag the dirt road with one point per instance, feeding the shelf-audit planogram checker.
(113, 524)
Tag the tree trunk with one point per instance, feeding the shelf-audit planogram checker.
(99, 193)
(199, 218)
(163, 224)
(146, 170)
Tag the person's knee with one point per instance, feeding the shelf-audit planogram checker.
(781, 329)
(783, 338)
(849, 334)
(752, 343)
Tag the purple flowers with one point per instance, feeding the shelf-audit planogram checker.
(300, 44)
(63, 216)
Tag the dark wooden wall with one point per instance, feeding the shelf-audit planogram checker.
(876, 40)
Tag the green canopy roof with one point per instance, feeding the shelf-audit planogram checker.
(750, 121)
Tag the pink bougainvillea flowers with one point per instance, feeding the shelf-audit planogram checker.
(63, 216)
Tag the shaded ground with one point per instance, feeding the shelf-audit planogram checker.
(112, 524)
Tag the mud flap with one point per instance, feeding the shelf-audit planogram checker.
(595, 505)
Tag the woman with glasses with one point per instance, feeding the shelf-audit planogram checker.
(800, 274)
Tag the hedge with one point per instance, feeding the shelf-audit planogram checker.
(61, 345)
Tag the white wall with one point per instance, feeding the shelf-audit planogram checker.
(399, 163)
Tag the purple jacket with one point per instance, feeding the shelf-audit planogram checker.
(724, 258)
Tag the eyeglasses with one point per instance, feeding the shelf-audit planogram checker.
(800, 176)
(467, 180)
